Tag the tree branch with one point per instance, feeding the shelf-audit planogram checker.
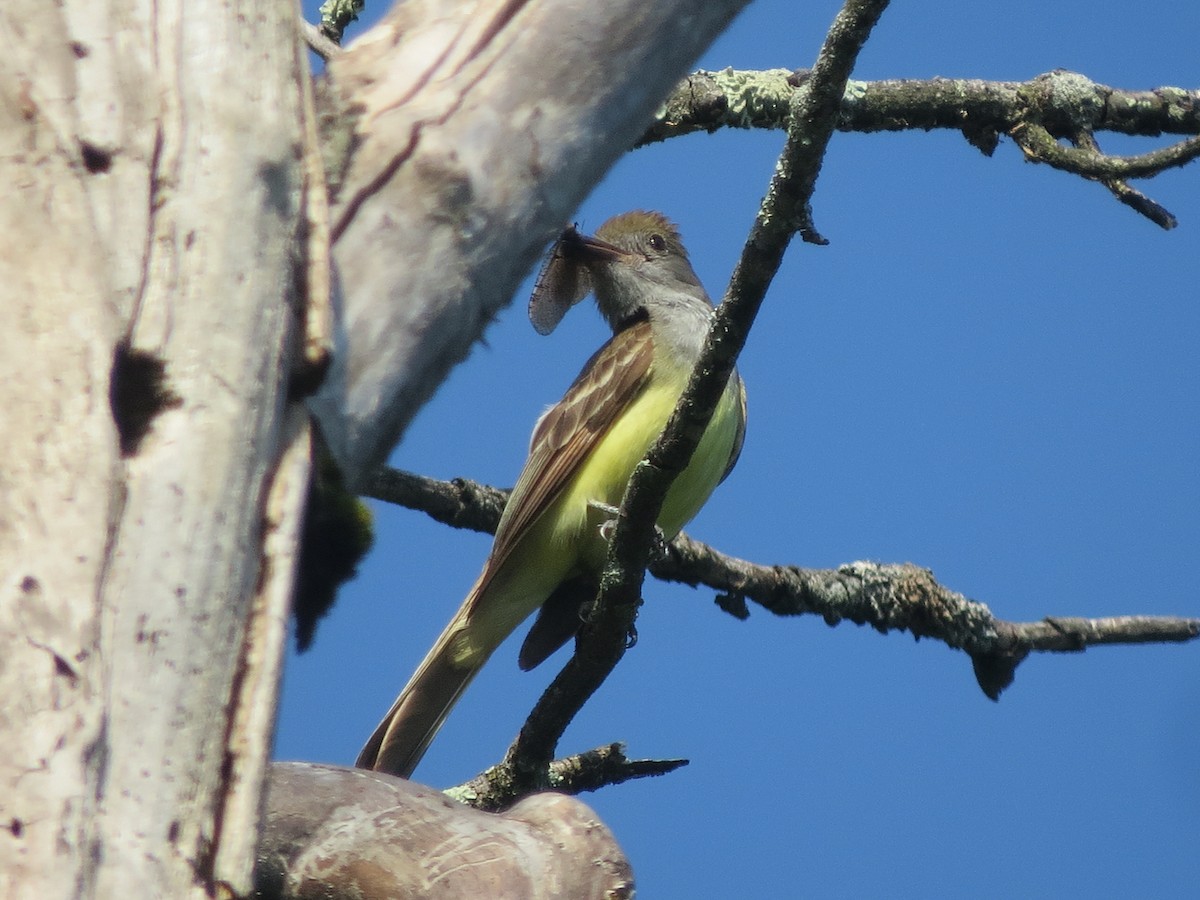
(493, 790)
(604, 637)
(330, 831)
(1035, 114)
(1125, 192)
(460, 503)
(1040, 146)
(706, 101)
(888, 597)
(905, 597)
(318, 41)
(1086, 160)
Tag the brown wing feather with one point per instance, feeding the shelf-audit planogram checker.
(570, 430)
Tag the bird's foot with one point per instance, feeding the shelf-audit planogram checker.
(657, 551)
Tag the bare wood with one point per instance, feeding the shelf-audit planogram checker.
(151, 160)
(351, 833)
(255, 692)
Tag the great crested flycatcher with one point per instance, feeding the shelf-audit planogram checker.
(549, 548)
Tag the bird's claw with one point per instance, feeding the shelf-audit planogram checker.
(608, 525)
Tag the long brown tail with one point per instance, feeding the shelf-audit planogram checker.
(403, 736)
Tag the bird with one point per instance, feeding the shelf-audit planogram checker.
(551, 542)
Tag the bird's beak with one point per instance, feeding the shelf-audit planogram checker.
(584, 249)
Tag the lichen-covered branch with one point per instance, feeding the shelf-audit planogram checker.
(1086, 160)
(706, 101)
(336, 15)
(888, 597)
(1035, 113)
(1040, 146)
(495, 790)
(1124, 191)
(905, 597)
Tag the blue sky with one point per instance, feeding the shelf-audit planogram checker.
(992, 371)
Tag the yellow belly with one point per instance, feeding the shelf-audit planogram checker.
(605, 474)
(566, 538)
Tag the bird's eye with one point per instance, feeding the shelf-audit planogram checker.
(657, 243)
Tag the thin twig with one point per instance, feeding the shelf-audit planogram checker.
(603, 639)
(1039, 145)
(1086, 160)
(1125, 192)
(493, 790)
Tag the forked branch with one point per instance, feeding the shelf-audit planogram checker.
(1036, 114)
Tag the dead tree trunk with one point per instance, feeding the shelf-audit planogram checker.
(152, 469)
